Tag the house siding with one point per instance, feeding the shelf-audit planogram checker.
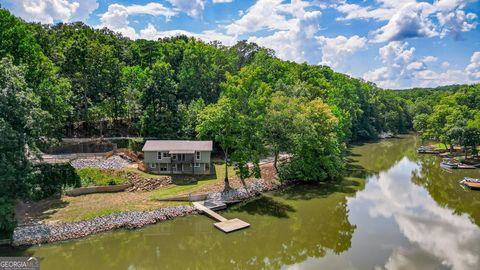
(151, 157)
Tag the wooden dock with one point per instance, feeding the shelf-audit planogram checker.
(223, 224)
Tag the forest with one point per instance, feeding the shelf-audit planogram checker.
(68, 80)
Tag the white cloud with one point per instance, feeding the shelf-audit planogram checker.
(354, 11)
(335, 51)
(430, 78)
(401, 69)
(191, 7)
(288, 45)
(473, 69)
(221, 1)
(411, 19)
(151, 33)
(417, 65)
(154, 9)
(429, 58)
(456, 22)
(264, 14)
(116, 17)
(50, 11)
(295, 27)
(396, 52)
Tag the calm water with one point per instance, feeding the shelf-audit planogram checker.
(397, 210)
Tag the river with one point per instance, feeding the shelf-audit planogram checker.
(395, 210)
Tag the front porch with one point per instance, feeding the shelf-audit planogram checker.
(179, 168)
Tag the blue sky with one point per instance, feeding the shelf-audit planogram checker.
(394, 43)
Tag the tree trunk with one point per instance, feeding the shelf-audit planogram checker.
(275, 160)
(244, 184)
(227, 183)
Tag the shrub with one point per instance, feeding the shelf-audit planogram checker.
(100, 177)
(134, 144)
(50, 179)
(7, 220)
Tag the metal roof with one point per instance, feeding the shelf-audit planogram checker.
(177, 145)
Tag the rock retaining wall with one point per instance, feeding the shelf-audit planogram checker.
(43, 233)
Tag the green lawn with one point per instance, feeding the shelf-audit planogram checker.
(68, 209)
(438, 145)
(100, 177)
(192, 186)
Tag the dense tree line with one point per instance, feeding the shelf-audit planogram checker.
(450, 115)
(58, 78)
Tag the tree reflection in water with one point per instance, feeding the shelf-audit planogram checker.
(280, 235)
(408, 214)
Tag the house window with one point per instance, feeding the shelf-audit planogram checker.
(153, 165)
(197, 165)
(163, 167)
(159, 155)
(174, 156)
(165, 154)
(199, 155)
(174, 167)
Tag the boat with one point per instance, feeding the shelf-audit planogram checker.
(472, 183)
(427, 150)
(449, 163)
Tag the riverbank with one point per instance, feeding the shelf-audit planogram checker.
(47, 233)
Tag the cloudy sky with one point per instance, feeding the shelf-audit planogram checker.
(394, 43)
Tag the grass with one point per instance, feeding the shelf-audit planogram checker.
(192, 186)
(70, 209)
(438, 145)
(94, 205)
(100, 177)
(141, 173)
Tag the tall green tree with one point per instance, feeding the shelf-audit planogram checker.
(316, 153)
(189, 117)
(160, 118)
(20, 116)
(219, 122)
(279, 124)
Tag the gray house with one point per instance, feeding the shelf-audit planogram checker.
(177, 157)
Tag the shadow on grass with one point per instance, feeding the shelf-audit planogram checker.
(265, 206)
(185, 180)
(34, 211)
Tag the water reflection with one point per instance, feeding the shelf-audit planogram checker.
(442, 236)
(403, 213)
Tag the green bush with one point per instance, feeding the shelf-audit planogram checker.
(100, 177)
(7, 220)
(134, 144)
(50, 179)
